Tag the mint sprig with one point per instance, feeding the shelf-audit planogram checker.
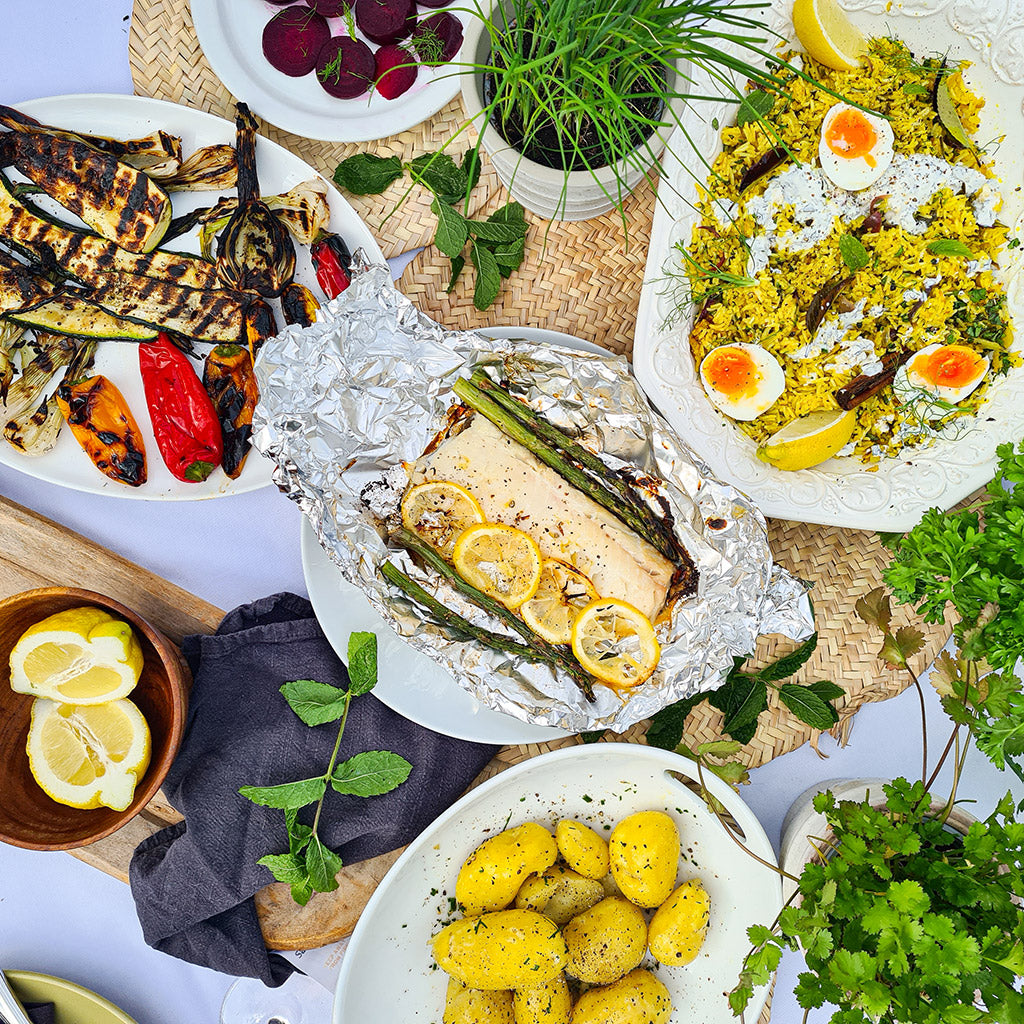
(309, 866)
(497, 245)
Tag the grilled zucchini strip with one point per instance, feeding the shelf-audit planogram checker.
(117, 201)
(88, 257)
(78, 318)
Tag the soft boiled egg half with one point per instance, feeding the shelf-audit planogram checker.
(742, 380)
(855, 148)
(949, 372)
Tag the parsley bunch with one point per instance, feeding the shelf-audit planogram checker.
(973, 559)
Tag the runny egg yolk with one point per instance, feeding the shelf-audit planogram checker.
(950, 366)
(732, 372)
(852, 135)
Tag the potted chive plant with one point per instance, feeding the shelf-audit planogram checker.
(575, 100)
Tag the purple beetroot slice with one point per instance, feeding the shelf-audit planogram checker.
(396, 70)
(293, 38)
(433, 3)
(437, 38)
(385, 21)
(345, 67)
(330, 8)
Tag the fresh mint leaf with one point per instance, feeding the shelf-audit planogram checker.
(510, 213)
(287, 796)
(754, 106)
(285, 867)
(916, 89)
(452, 229)
(367, 175)
(488, 276)
(495, 231)
(371, 773)
(826, 690)
(854, 254)
(362, 663)
(592, 737)
(668, 724)
(322, 864)
(440, 173)
(315, 703)
(302, 891)
(791, 663)
(806, 705)
(509, 255)
(949, 247)
(747, 699)
(298, 834)
(458, 262)
(471, 167)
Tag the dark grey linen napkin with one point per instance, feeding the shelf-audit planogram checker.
(40, 1013)
(193, 883)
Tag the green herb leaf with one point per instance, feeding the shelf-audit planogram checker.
(302, 891)
(458, 262)
(719, 748)
(440, 173)
(747, 699)
(855, 256)
(806, 705)
(362, 663)
(898, 648)
(367, 175)
(452, 229)
(510, 213)
(371, 773)
(298, 834)
(790, 663)
(509, 255)
(287, 796)
(949, 247)
(754, 106)
(827, 690)
(488, 276)
(916, 89)
(471, 167)
(592, 737)
(322, 864)
(495, 231)
(874, 608)
(668, 724)
(315, 703)
(285, 867)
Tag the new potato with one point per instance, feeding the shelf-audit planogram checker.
(638, 998)
(494, 872)
(644, 852)
(559, 893)
(549, 1003)
(475, 1006)
(606, 941)
(582, 848)
(503, 949)
(680, 925)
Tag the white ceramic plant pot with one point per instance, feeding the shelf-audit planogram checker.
(546, 191)
(803, 828)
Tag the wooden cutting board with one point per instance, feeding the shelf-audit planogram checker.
(37, 552)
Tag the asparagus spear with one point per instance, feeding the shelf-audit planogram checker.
(460, 626)
(540, 648)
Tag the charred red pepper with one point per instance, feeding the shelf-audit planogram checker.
(332, 262)
(230, 382)
(184, 421)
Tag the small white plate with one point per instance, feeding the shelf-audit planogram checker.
(128, 117)
(411, 683)
(231, 35)
(386, 974)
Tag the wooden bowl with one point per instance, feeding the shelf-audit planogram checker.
(28, 817)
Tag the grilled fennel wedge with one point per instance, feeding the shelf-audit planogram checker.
(115, 199)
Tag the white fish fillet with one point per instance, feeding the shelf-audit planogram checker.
(515, 488)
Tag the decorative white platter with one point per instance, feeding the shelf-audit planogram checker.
(231, 35)
(411, 683)
(130, 117)
(386, 974)
(843, 492)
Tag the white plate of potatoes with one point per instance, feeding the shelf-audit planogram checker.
(509, 892)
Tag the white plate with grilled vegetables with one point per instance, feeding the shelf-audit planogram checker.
(389, 972)
(132, 117)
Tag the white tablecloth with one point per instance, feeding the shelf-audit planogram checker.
(61, 917)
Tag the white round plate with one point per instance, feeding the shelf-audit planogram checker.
(843, 492)
(130, 117)
(386, 974)
(231, 35)
(409, 682)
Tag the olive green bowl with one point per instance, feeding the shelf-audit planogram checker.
(72, 1003)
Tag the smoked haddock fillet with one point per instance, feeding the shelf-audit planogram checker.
(515, 488)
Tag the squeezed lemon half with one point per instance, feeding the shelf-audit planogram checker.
(500, 560)
(615, 642)
(828, 35)
(79, 656)
(439, 512)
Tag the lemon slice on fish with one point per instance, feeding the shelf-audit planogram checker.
(501, 561)
(90, 756)
(78, 656)
(562, 593)
(438, 512)
(615, 642)
(828, 35)
(809, 439)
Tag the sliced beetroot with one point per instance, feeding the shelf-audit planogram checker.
(433, 3)
(345, 67)
(293, 38)
(396, 70)
(437, 38)
(385, 21)
(281, 3)
(329, 8)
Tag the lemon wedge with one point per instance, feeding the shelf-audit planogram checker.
(501, 561)
(809, 439)
(828, 35)
(438, 512)
(615, 642)
(78, 656)
(562, 593)
(88, 756)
